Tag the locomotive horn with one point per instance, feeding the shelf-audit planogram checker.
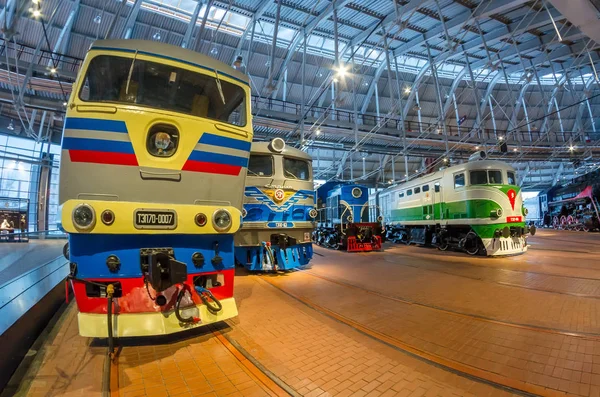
(478, 155)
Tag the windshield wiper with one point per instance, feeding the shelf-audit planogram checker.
(130, 72)
(219, 86)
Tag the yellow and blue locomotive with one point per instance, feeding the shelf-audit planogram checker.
(155, 146)
(343, 218)
(278, 209)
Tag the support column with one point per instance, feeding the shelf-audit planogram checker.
(438, 96)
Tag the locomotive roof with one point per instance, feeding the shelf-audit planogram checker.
(468, 166)
(263, 147)
(173, 53)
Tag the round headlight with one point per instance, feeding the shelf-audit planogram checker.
(84, 217)
(525, 211)
(497, 213)
(350, 219)
(379, 218)
(222, 220)
(108, 217)
(312, 213)
(277, 145)
(356, 192)
(244, 212)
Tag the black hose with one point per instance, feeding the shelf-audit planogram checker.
(214, 310)
(190, 319)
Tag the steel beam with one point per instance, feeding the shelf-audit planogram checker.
(131, 18)
(189, 30)
(64, 36)
(260, 11)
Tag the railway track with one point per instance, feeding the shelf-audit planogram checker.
(271, 383)
(483, 375)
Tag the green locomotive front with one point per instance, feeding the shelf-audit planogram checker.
(476, 207)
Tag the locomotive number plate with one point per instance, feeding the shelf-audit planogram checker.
(155, 219)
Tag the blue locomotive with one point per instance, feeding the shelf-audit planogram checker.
(343, 218)
(279, 211)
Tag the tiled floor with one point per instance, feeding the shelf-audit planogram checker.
(409, 321)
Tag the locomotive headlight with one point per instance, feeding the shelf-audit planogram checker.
(356, 192)
(162, 140)
(222, 220)
(312, 213)
(497, 213)
(525, 211)
(84, 217)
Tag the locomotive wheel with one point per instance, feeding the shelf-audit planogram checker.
(471, 246)
(444, 246)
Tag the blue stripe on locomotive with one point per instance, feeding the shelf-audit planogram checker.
(267, 210)
(90, 251)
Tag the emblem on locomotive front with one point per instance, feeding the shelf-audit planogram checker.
(512, 196)
(279, 195)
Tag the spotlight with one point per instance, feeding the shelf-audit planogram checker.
(36, 13)
(445, 160)
(515, 150)
(500, 138)
(407, 90)
(335, 80)
(476, 147)
(97, 19)
(571, 148)
(341, 71)
(214, 51)
(318, 131)
(156, 36)
(64, 104)
(11, 125)
(52, 70)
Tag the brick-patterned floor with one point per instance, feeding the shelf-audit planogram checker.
(318, 356)
(201, 366)
(69, 365)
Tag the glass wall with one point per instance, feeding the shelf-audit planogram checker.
(20, 165)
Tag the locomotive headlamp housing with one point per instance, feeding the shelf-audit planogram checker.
(277, 145)
(222, 220)
(162, 140)
(312, 213)
(380, 218)
(497, 213)
(108, 217)
(356, 192)
(200, 219)
(244, 212)
(84, 217)
(350, 219)
(525, 211)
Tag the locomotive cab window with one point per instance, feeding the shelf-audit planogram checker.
(260, 165)
(511, 180)
(425, 188)
(459, 180)
(436, 187)
(495, 177)
(401, 194)
(409, 192)
(296, 169)
(478, 177)
(417, 190)
(135, 81)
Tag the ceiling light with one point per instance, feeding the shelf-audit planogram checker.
(52, 70)
(476, 147)
(407, 90)
(11, 126)
(318, 131)
(214, 51)
(500, 138)
(156, 36)
(571, 148)
(335, 80)
(36, 13)
(97, 19)
(64, 104)
(341, 71)
(515, 150)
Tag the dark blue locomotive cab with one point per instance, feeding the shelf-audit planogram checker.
(343, 218)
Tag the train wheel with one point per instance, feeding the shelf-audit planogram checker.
(471, 244)
(444, 245)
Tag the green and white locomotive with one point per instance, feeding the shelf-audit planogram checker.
(475, 207)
